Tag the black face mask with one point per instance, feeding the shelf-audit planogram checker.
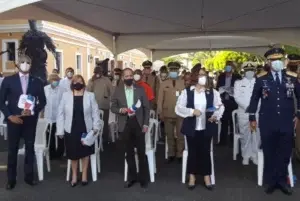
(77, 86)
(128, 82)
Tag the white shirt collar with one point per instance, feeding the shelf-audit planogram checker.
(21, 74)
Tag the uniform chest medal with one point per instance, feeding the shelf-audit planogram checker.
(289, 88)
(265, 89)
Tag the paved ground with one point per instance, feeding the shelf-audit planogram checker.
(233, 182)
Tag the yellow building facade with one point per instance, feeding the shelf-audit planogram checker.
(73, 48)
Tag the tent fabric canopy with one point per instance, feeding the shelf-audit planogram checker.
(161, 26)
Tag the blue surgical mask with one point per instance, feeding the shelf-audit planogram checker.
(173, 75)
(277, 65)
(55, 84)
(228, 69)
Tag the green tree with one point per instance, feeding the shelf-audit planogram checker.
(176, 58)
(201, 57)
(291, 50)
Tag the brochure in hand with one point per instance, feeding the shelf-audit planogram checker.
(26, 102)
(89, 138)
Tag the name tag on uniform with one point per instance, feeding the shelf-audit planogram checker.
(177, 93)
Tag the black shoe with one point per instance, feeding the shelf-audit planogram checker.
(73, 184)
(144, 184)
(179, 160)
(170, 159)
(191, 187)
(285, 189)
(130, 183)
(30, 182)
(84, 183)
(270, 189)
(10, 185)
(209, 187)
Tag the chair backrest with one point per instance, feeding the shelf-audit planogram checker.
(150, 138)
(235, 122)
(101, 114)
(99, 139)
(40, 134)
(152, 114)
(1, 118)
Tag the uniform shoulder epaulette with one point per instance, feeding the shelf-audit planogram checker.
(262, 74)
(290, 73)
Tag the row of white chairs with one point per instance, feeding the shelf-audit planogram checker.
(260, 155)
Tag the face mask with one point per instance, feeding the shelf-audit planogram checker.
(128, 82)
(277, 65)
(136, 77)
(24, 67)
(77, 86)
(249, 74)
(116, 77)
(228, 69)
(69, 74)
(202, 81)
(54, 84)
(173, 75)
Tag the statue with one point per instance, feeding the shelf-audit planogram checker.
(33, 44)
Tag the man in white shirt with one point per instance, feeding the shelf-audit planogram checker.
(66, 82)
(53, 93)
(242, 94)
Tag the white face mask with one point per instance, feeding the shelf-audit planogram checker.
(24, 67)
(249, 75)
(116, 77)
(277, 65)
(136, 77)
(69, 74)
(202, 81)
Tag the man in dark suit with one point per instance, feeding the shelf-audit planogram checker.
(21, 123)
(133, 120)
(276, 90)
(225, 86)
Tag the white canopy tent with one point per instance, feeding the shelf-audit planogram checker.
(159, 27)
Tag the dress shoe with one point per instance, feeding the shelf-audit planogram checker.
(10, 185)
(191, 187)
(84, 183)
(209, 187)
(170, 159)
(285, 189)
(270, 189)
(143, 184)
(73, 184)
(129, 184)
(30, 182)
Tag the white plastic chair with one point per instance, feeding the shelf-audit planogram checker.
(236, 135)
(184, 163)
(3, 126)
(113, 126)
(101, 114)
(101, 118)
(41, 148)
(260, 169)
(152, 114)
(95, 159)
(150, 152)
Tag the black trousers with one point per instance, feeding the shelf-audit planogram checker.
(15, 132)
(106, 126)
(199, 161)
(59, 152)
(277, 149)
(133, 137)
(226, 120)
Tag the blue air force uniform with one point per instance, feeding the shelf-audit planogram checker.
(276, 116)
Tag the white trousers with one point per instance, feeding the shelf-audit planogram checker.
(250, 142)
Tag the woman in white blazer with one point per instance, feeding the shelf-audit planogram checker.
(53, 93)
(78, 114)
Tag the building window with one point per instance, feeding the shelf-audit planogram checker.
(10, 55)
(11, 48)
(78, 62)
(59, 62)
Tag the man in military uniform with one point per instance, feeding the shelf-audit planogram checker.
(169, 91)
(150, 79)
(242, 93)
(276, 89)
(293, 62)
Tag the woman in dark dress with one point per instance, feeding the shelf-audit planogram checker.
(78, 113)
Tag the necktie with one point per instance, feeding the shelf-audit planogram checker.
(277, 79)
(24, 83)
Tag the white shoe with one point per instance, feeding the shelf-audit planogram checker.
(254, 160)
(246, 161)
